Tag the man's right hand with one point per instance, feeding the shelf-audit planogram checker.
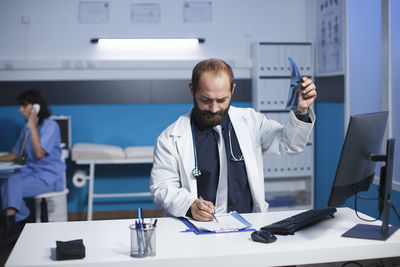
(202, 210)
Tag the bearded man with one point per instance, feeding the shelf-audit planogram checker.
(210, 160)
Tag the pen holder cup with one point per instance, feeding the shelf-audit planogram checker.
(143, 241)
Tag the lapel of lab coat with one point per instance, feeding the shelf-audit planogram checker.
(184, 142)
(242, 130)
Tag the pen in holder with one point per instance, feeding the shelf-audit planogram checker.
(143, 240)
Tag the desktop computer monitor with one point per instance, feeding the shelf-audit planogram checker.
(356, 170)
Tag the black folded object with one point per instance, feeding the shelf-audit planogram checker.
(70, 250)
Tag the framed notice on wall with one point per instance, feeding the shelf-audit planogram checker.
(145, 13)
(330, 38)
(93, 12)
(197, 11)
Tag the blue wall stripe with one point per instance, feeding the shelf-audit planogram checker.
(329, 137)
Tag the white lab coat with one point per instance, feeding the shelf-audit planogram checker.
(172, 184)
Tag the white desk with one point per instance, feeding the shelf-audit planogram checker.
(108, 244)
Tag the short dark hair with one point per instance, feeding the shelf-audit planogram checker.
(35, 97)
(215, 65)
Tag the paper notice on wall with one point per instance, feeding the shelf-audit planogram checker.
(145, 13)
(93, 12)
(330, 37)
(197, 11)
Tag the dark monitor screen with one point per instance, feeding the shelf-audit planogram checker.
(64, 122)
(356, 170)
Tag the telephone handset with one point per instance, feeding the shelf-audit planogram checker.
(36, 107)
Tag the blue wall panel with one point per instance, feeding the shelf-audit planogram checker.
(329, 129)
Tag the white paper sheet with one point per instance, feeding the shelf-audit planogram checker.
(226, 222)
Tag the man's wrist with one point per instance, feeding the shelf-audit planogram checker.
(303, 117)
(189, 212)
(302, 111)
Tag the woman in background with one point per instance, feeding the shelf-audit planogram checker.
(39, 149)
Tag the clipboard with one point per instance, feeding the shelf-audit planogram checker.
(234, 214)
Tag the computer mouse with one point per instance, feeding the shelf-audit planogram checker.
(263, 236)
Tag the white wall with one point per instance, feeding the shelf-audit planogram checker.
(395, 46)
(365, 66)
(54, 45)
(364, 56)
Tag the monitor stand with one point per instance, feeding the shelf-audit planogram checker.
(366, 231)
(384, 231)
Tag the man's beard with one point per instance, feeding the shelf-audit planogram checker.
(208, 118)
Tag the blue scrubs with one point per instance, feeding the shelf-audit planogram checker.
(39, 175)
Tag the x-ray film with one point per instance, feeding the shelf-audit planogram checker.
(295, 80)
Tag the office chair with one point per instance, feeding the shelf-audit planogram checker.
(55, 203)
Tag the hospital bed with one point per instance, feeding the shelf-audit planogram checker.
(99, 154)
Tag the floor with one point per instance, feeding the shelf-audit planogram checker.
(6, 245)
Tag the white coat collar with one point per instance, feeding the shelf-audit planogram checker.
(182, 133)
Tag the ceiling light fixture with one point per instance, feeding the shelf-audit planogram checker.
(149, 41)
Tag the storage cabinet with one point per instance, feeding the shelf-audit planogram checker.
(289, 180)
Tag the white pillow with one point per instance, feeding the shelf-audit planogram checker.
(87, 151)
(133, 152)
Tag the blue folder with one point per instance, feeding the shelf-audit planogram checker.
(295, 80)
(192, 228)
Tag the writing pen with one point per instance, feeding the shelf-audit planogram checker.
(140, 217)
(205, 203)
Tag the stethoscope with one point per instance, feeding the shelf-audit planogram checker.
(196, 171)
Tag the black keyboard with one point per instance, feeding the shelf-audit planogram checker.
(292, 224)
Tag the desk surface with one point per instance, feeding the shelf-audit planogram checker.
(7, 168)
(108, 244)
